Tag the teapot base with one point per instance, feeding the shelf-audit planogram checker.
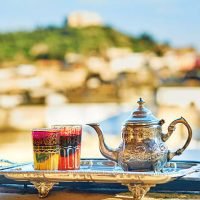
(143, 166)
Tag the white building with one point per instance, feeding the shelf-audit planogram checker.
(132, 62)
(26, 70)
(116, 52)
(156, 62)
(173, 60)
(178, 96)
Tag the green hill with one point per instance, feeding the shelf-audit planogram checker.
(54, 42)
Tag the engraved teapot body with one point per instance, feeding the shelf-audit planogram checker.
(143, 147)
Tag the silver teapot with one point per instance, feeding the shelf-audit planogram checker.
(143, 147)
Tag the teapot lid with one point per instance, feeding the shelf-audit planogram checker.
(141, 115)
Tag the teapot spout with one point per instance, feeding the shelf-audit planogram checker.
(104, 149)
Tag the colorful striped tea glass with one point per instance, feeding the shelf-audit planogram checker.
(70, 146)
(46, 148)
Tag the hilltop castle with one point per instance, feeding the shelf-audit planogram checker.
(84, 19)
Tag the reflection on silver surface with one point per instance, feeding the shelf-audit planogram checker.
(104, 169)
(101, 170)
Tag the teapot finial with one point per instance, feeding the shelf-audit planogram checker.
(140, 102)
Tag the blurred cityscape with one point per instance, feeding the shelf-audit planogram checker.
(85, 71)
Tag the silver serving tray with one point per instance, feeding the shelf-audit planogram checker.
(100, 170)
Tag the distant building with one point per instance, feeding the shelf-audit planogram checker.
(132, 62)
(84, 19)
(174, 61)
(187, 61)
(178, 96)
(26, 70)
(117, 52)
(156, 62)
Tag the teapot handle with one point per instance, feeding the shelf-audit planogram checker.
(171, 129)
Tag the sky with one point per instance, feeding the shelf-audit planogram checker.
(173, 21)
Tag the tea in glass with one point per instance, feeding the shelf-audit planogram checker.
(70, 146)
(46, 148)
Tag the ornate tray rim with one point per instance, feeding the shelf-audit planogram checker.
(138, 182)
